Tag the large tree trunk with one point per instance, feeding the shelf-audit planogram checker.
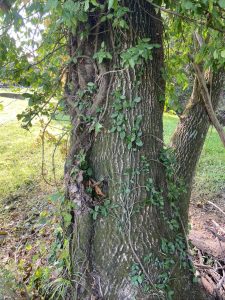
(134, 247)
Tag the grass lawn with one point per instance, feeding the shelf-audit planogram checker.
(21, 151)
(210, 174)
(28, 218)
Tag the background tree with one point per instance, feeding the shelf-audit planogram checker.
(127, 194)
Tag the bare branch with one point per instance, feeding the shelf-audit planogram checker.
(213, 204)
(207, 100)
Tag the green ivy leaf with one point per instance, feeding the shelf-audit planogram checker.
(67, 218)
(51, 4)
(188, 4)
(137, 99)
(139, 143)
(222, 53)
(86, 5)
(112, 4)
(102, 54)
(98, 127)
(221, 3)
(122, 135)
(215, 54)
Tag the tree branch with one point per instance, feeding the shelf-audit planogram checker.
(184, 17)
(208, 104)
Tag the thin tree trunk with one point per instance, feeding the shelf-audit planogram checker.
(189, 137)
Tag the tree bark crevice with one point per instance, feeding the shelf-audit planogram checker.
(189, 137)
(109, 250)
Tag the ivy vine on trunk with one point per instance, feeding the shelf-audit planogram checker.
(127, 193)
(128, 238)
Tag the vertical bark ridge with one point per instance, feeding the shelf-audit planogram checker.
(120, 236)
(105, 250)
(119, 239)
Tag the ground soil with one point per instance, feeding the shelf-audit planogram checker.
(203, 218)
(27, 222)
(20, 219)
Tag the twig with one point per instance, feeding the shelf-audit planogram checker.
(213, 231)
(213, 204)
(200, 256)
(46, 56)
(53, 158)
(109, 72)
(138, 259)
(208, 103)
(201, 266)
(218, 226)
(220, 283)
(43, 145)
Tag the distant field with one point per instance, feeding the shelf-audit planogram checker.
(11, 107)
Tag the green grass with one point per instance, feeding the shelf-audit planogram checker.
(25, 205)
(21, 151)
(11, 107)
(210, 173)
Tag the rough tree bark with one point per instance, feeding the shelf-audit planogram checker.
(121, 253)
(190, 134)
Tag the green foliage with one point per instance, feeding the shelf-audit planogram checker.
(166, 265)
(134, 138)
(53, 279)
(9, 286)
(81, 166)
(136, 275)
(53, 18)
(102, 210)
(120, 120)
(112, 4)
(136, 55)
(204, 18)
(172, 252)
(119, 18)
(21, 155)
(102, 54)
